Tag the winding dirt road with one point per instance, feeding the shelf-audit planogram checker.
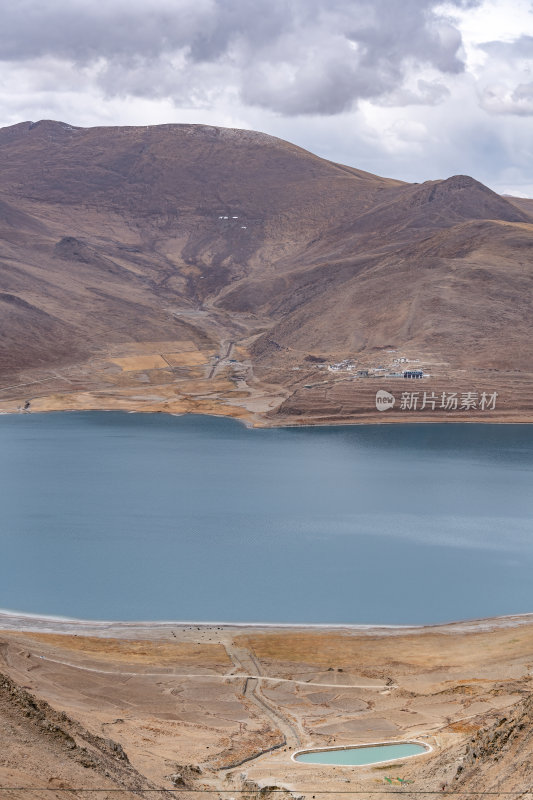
(252, 690)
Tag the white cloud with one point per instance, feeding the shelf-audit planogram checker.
(404, 135)
(502, 99)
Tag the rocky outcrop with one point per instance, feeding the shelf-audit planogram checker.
(500, 755)
(40, 736)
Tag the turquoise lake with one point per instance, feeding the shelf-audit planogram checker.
(107, 515)
(358, 756)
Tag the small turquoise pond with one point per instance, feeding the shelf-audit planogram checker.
(357, 756)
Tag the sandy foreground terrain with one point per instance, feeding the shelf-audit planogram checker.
(222, 708)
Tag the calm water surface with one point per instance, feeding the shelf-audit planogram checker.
(132, 516)
(357, 756)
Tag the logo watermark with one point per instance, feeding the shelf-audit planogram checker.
(441, 401)
(384, 400)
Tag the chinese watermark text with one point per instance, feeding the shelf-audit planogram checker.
(437, 401)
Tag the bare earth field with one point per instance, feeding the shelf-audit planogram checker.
(220, 707)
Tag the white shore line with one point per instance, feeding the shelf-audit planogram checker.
(34, 623)
(216, 676)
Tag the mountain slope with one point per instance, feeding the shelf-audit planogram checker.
(496, 757)
(113, 240)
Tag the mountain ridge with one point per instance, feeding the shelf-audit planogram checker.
(125, 236)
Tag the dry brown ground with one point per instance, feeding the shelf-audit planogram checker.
(176, 697)
(186, 384)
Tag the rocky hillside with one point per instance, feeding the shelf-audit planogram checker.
(500, 756)
(46, 749)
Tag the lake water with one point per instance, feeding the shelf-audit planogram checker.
(358, 756)
(106, 515)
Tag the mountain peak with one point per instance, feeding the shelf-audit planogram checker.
(462, 197)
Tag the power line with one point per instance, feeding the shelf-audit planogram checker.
(440, 792)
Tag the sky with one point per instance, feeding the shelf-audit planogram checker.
(410, 89)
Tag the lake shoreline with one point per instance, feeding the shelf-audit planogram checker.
(33, 623)
(282, 424)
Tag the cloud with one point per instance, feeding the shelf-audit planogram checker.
(510, 52)
(506, 84)
(297, 57)
(417, 92)
(405, 135)
(500, 99)
(426, 93)
(81, 31)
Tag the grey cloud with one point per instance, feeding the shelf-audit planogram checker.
(411, 30)
(84, 31)
(288, 56)
(427, 93)
(521, 48)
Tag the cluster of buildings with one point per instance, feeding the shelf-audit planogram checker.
(348, 365)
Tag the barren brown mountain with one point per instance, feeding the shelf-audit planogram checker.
(183, 267)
